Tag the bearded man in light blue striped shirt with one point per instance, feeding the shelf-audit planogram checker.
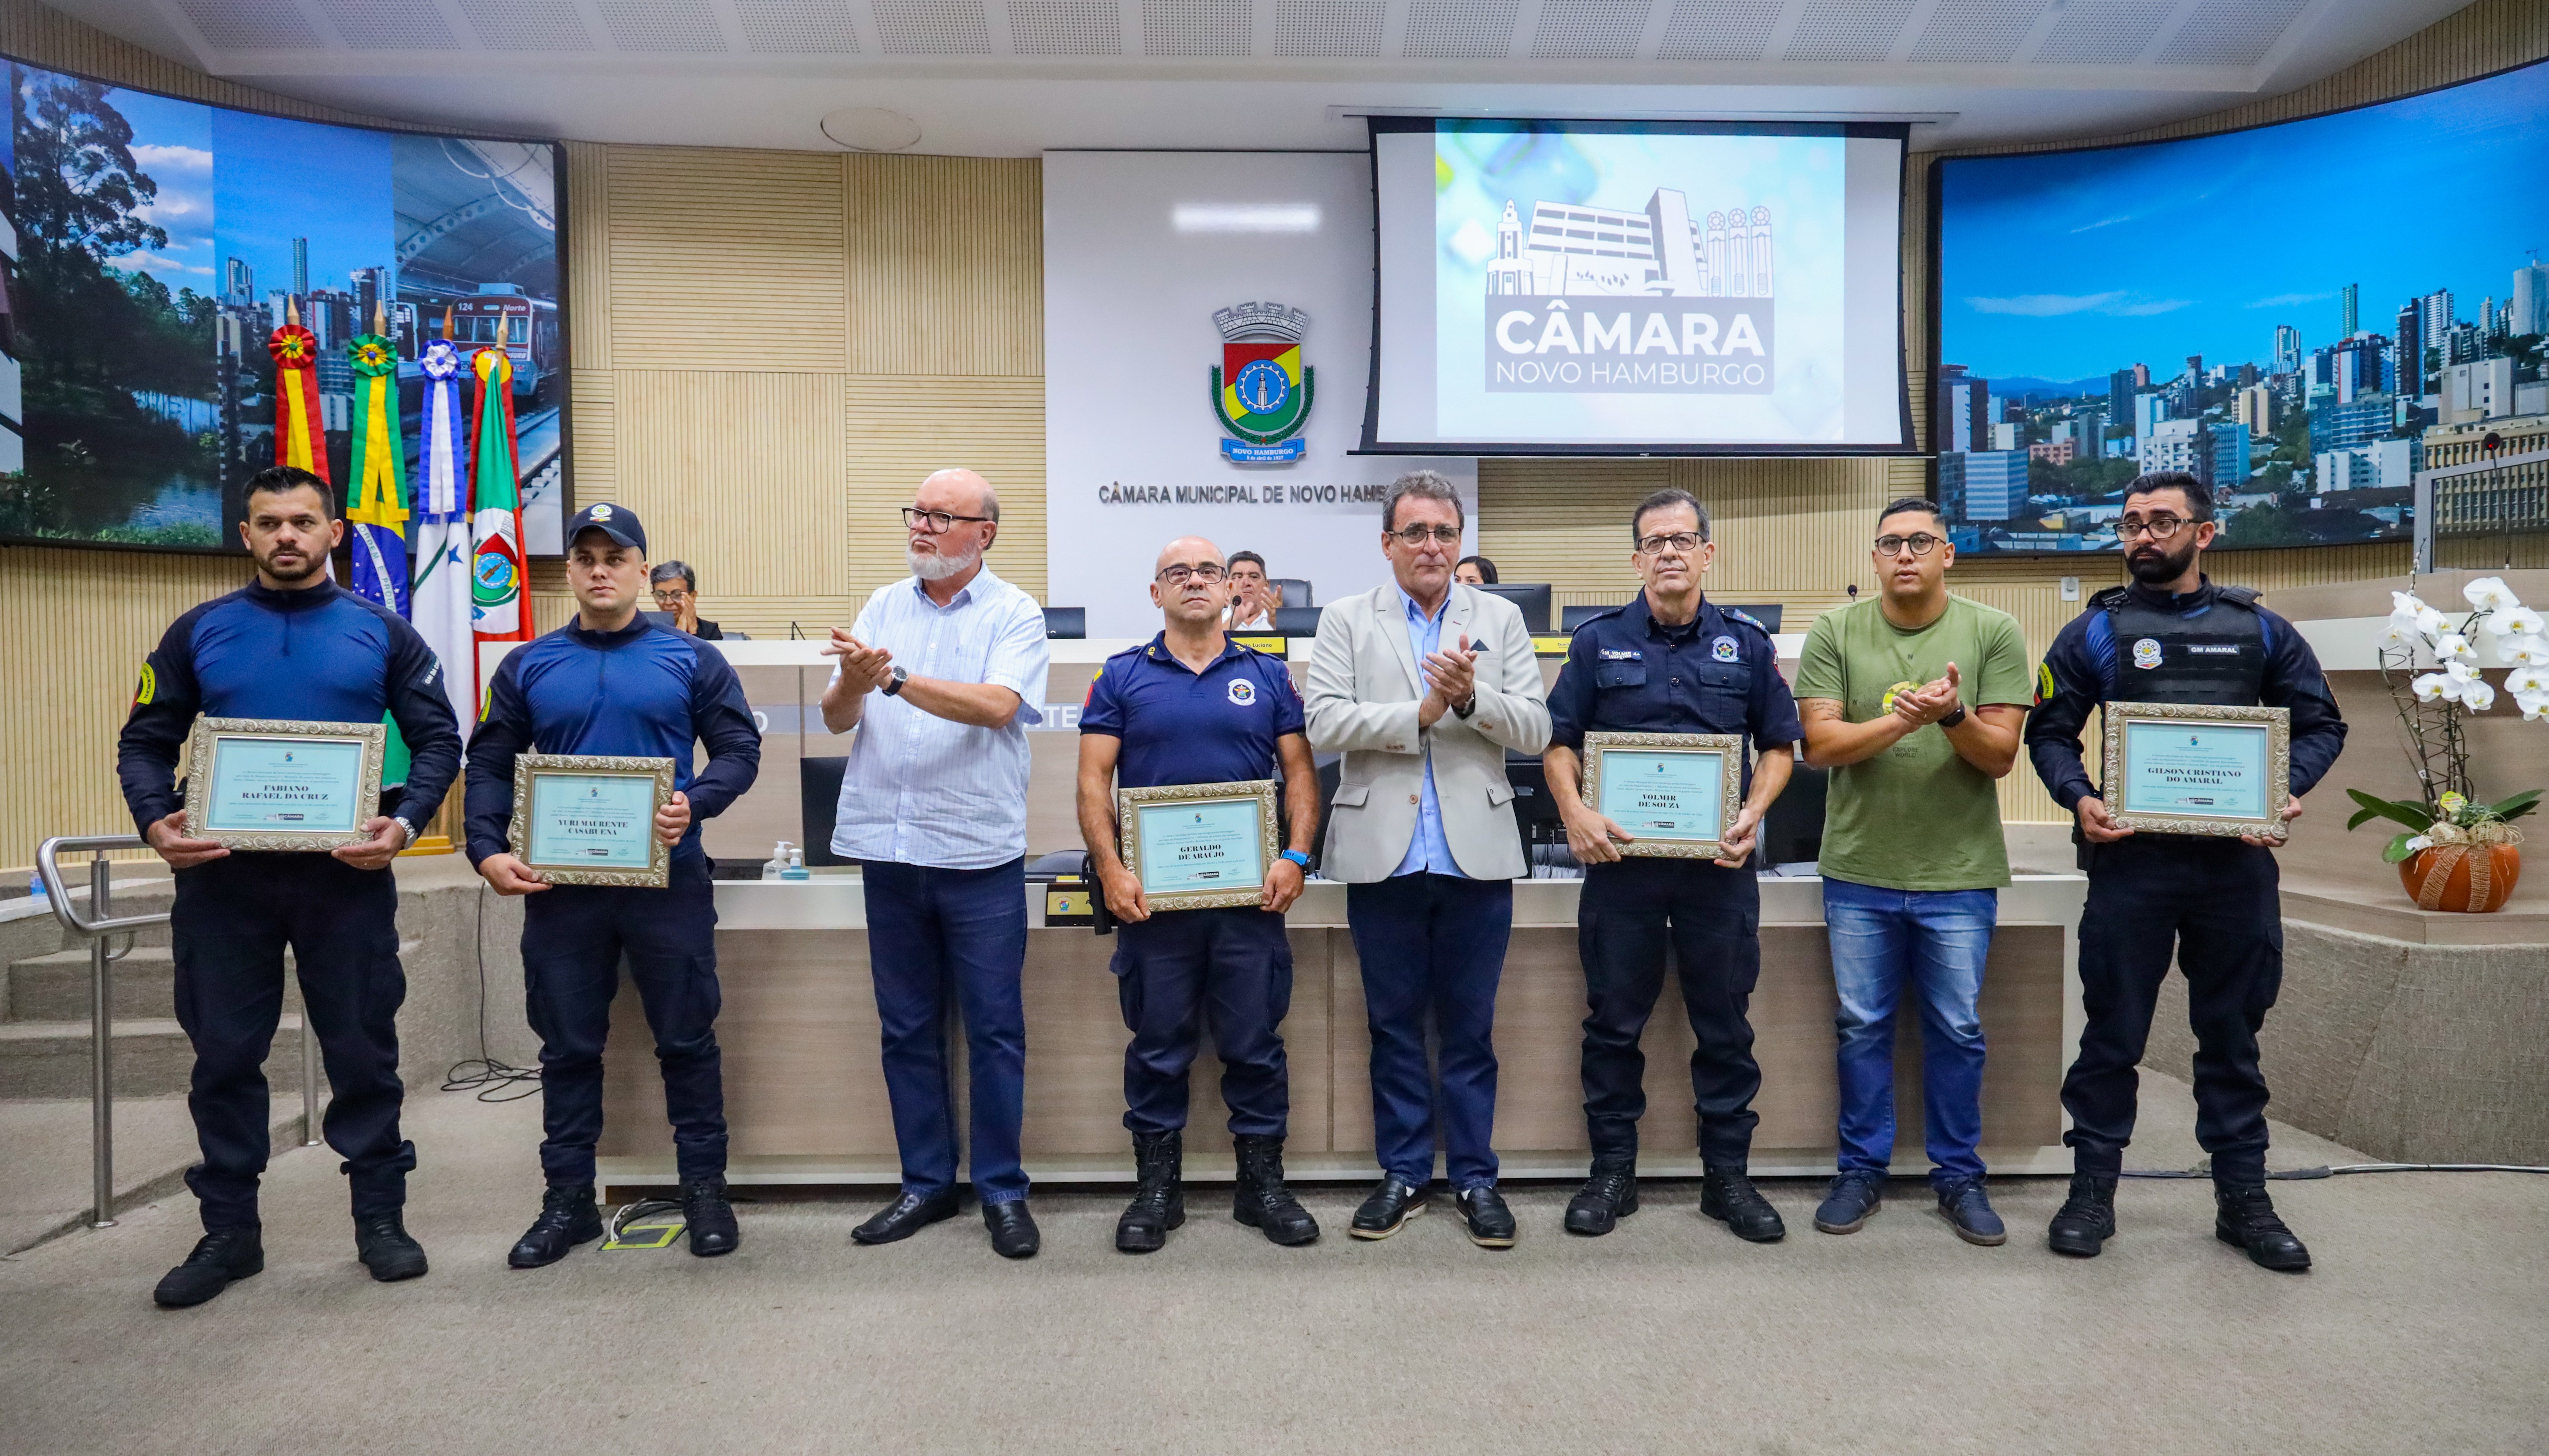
(941, 675)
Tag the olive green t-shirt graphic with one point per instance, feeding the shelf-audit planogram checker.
(1917, 816)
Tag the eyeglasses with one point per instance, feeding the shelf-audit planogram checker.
(2158, 529)
(1416, 536)
(1684, 542)
(934, 522)
(670, 597)
(1208, 574)
(1920, 542)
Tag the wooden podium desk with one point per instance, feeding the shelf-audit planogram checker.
(805, 1099)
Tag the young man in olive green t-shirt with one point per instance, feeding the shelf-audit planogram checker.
(1914, 701)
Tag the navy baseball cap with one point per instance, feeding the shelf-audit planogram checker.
(618, 522)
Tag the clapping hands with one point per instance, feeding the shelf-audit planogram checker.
(1931, 701)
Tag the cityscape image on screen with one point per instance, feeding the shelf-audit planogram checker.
(152, 247)
(2314, 317)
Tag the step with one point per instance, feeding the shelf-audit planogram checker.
(56, 987)
(152, 1058)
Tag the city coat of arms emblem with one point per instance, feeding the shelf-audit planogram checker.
(1261, 390)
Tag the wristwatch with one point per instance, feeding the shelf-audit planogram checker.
(1297, 857)
(400, 821)
(1463, 710)
(894, 683)
(1953, 719)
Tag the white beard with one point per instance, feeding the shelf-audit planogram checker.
(934, 567)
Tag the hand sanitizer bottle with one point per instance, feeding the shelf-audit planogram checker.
(796, 864)
(777, 865)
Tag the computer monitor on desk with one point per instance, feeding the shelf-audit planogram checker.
(1066, 621)
(1530, 596)
(1296, 621)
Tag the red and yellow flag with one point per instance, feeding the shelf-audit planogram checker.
(299, 436)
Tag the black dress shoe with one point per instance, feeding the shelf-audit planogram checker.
(1606, 1198)
(2245, 1217)
(710, 1218)
(1261, 1201)
(2087, 1219)
(1491, 1224)
(1388, 1209)
(221, 1257)
(381, 1241)
(1159, 1198)
(1013, 1230)
(568, 1216)
(1727, 1194)
(906, 1215)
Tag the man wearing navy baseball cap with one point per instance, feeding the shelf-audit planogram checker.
(612, 683)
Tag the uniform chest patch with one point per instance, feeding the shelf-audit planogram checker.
(1722, 650)
(2146, 653)
(1621, 655)
(1242, 691)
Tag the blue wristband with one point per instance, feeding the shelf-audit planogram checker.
(1297, 857)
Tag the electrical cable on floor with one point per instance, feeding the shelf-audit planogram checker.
(2312, 1175)
(643, 1208)
(483, 1073)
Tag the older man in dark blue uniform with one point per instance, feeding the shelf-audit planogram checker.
(2173, 636)
(610, 683)
(1670, 662)
(1191, 706)
(290, 645)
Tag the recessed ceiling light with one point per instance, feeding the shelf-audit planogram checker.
(1245, 216)
(871, 129)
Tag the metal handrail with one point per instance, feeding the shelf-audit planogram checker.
(98, 927)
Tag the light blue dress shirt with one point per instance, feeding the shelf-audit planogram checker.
(919, 788)
(1427, 850)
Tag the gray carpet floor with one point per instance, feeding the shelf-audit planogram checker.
(2425, 1329)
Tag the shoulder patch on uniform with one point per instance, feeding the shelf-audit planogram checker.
(2045, 688)
(147, 688)
(1746, 617)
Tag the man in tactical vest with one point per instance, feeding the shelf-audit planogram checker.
(2173, 636)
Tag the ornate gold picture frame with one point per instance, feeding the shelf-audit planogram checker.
(1141, 845)
(544, 853)
(219, 806)
(2179, 778)
(1728, 749)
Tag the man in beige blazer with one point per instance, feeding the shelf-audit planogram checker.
(1422, 686)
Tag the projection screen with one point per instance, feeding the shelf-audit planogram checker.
(1637, 288)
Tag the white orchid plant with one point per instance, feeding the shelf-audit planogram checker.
(2432, 704)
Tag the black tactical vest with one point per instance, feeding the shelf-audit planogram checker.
(2215, 656)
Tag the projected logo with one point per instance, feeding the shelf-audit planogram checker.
(1599, 301)
(1261, 393)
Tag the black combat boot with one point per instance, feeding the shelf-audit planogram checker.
(221, 1258)
(382, 1243)
(568, 1216)
(1159, 1202)
(1263, 1201)
(1606, 1198)
(2087, 1219)
(2245, 1216)
(710, 1215)
(1727, 1194)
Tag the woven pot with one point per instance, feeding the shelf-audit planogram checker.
(2472, 877)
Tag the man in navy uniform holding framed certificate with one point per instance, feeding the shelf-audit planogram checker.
(2173, 636)
(1193, 706)
(291, 645)
(612, 683)
(1670, 662)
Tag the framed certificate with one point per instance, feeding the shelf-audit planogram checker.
(583, 819)
(260, 783)
(1673, 790)
(2198, 768)
(1199, 846)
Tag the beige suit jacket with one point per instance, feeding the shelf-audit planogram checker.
(1364, 691)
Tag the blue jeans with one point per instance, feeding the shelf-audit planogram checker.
(1432, 945)
(936, 936)
(1937, 941)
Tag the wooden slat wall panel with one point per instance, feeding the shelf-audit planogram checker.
(588, 255)
(739, 475)
(901, 428)
(724, 259)
(78, 624)
(946, 258)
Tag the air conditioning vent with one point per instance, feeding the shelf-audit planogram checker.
(662, 26)
(389, 25)
(1195, 28)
